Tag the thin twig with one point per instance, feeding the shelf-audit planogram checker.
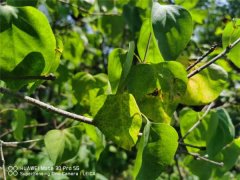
(202, 57)
(50, 77)
(8, 131)
(32, 145)
(87, 12)
(148, 43)
(11, 144)
(2, 160)
(46, 106)
(198, 122)
(223, 53)
(198, 157)
(62, 124)
(178, 168)
(193, 146)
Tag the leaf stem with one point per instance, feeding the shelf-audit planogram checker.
(223, 53)
(148, 44)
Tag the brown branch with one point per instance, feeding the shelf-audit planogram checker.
(178, 168)
(223, 53)
(202, 57)
(46, 106)
(2, 160)
(49, 77)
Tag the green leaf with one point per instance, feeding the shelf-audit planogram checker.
(19, 120)
(224, 131)
(205, 86)
(187, 4)
(84, 84)
(199, 15)
(148, 48)
(115, 67)
(97, 137)
(22, 73)
(22, 2)
(128, 62)
(119, 65)
(97, 103)
(230, 34)
(120, 120)
(20, 34)
(75, 9)
(172, 28)
(158, 88)
(156, 150)
(143, 4)
(64, 144)
(73, 48)
(142, 80)
(113, 27)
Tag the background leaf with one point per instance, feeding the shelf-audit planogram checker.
(73, 48)
(64, 144)
(18, 122)
(230, 34)
(22, 2)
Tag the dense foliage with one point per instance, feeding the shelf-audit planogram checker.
(154, 87)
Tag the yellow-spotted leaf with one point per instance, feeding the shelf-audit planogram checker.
(205, 86)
